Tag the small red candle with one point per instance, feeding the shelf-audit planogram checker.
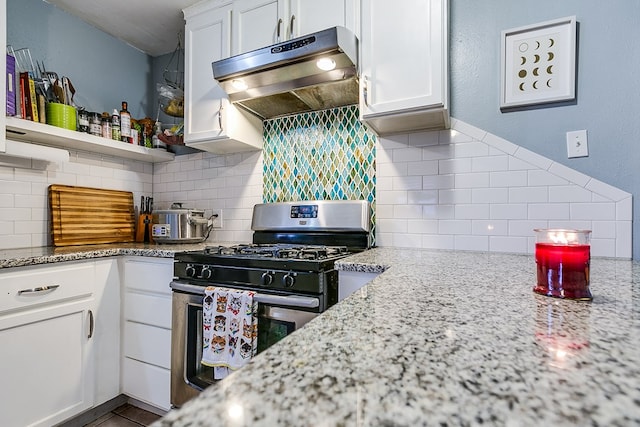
(562, 259)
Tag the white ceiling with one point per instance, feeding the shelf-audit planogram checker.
(151, 26)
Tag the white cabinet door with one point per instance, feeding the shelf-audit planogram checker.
(308, 16)
(404, 65)
(211, 122)
(46, 337)
(146, 329)
(256, 24)
(107, 330)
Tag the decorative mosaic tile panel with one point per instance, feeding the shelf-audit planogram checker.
(325, 155)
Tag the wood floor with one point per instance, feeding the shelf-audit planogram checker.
(125, 416)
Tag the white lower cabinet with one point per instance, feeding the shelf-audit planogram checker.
(351, 281)
(107, 330)
(46, 336)
(146, 329)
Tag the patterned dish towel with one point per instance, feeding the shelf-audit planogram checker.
(230, 329)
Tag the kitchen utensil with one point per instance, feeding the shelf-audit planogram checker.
(61, 115)
(180, 225)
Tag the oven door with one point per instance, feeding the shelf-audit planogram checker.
(278, 316)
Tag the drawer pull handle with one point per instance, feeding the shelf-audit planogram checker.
(39, 289)
(90, 324)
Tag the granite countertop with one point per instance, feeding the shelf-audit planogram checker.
(446, 338)
(48, 254)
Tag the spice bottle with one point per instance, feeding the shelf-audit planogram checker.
(83, 120)
(95, 126)
(115, 125)
(125, 123)
(105, 123)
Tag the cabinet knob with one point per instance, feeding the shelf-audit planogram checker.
(278, 30)
(291, 32)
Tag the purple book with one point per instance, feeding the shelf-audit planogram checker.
(11, 85)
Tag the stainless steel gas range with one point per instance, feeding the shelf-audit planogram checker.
(289, 265)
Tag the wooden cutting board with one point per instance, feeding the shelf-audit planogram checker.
(88, 216)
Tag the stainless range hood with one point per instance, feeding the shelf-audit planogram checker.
(285, 78)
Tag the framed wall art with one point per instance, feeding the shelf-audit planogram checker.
(538, 63)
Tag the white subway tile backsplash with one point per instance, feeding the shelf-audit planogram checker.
(438, 211)
(593, 211)
(457, 226)
(407, 183)
(490, 195)
(407, 155)
(438, 241)
(407, 240)
(525, 228)
(434, 182)
(541, 177)
(472, 180)
(528, 195)
(462, 189)
(426, 167)
(509, 244)
(407, 211)
(490, 163)
(451, 166)
(532, 158)
(569, 193)
(569, 174)
(471, 243)
(491, 227)
(623, 239)
(549, 211)
(391, 198)
(422, 226)
(454, 197)
(472, 211)
(508, 179)
(424, 197)
(624, 209)
(508, 211)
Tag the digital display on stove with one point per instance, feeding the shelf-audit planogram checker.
(304, 211)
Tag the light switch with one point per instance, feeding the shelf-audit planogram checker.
(577, 144)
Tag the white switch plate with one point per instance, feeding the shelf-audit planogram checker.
(217, 220)
(577, 144)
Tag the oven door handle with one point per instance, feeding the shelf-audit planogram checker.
(283, 300)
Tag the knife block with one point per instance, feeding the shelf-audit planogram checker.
(143, 229)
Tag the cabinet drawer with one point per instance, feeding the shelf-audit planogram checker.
(150, 309)
(147, 383)
(148, 344)
(26, 287)
(150, 275)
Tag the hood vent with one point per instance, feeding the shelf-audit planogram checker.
(285, 78)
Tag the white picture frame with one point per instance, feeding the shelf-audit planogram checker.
(538, 63)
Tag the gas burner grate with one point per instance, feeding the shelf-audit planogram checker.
(279, 251)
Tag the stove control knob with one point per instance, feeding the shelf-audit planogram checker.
(206, 273)
(190, 271)
(288, 280)
(266, 278)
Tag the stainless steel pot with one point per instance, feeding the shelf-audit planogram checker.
(180, 225)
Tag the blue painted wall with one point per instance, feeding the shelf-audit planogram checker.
(104, 70)
(608, 87)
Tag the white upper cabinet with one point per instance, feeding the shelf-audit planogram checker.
(404, 65)
(211, 122)
(260, 23)
(309, 16)
(256, 24)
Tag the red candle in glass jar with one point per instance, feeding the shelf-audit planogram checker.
(562, 261)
